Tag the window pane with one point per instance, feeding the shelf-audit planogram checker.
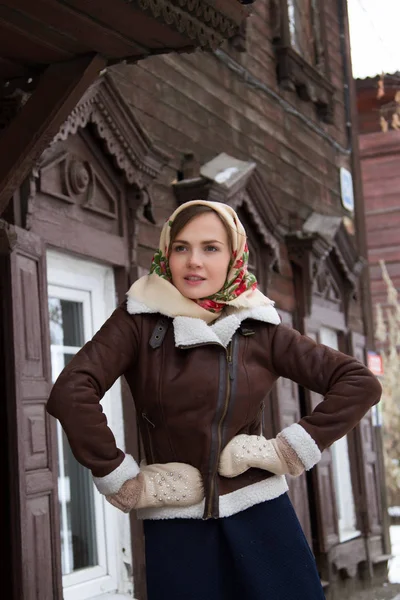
(82, 545)
(78, 527)
(66, 322)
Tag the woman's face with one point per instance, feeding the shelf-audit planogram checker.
(199, 257)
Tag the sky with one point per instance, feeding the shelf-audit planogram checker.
(375, 36)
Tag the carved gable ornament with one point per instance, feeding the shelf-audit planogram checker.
(237, 183)
(115, 123)
(112, 120)
(328, 259)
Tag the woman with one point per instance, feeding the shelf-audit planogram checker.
(200, 347)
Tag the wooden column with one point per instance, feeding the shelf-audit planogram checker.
(30, 132)
(32, 541)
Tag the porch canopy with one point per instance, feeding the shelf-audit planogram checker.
(54, 49)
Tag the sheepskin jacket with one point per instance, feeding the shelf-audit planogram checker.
(195, 387)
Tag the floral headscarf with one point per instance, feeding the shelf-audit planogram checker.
(238, 282)
(156, 293)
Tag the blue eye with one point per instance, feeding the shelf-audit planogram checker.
(211, 249)
(179, 248)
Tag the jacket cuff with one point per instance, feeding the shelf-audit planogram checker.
(303, 444)
(112, 483)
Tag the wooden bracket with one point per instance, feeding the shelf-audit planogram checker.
(30, 132)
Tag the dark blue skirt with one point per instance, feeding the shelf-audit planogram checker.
(258, 554)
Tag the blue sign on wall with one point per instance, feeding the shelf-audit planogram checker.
(346, 189)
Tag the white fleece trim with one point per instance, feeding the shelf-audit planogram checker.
(134, 307)
(111, 483)
(229, 504)
(189, 331)
(303, 444)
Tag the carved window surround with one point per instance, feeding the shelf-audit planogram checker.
(295, 73)
(328, 262)
(124, 138)
(249, 194)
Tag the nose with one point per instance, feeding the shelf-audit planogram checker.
(194, 259)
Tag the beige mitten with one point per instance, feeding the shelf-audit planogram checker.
(171, 484)
(127, 496)
(246, 451)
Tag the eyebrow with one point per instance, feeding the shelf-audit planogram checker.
(204, 242)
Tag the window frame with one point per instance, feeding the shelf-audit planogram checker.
(311, 82)
(74, 278)
(344, 485)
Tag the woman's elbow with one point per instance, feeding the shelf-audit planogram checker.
(374, 389)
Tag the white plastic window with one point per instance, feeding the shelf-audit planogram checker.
(95, 539)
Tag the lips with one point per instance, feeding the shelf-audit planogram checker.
(193, 280)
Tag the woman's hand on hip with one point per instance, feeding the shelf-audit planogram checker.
(157, 485)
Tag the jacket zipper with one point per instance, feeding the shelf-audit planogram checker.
(148, 423)
(229, 378)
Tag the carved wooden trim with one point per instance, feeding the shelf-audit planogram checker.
(207, 22)
(310, 82)
(124, 137)
(324, 257)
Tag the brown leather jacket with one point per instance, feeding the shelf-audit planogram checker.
(192, 400)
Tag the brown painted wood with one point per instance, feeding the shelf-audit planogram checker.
(38, 30)
(23, 141)
(26, 49)
(78, 28)
(130, 23)
(34, 541)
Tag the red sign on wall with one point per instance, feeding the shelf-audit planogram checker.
(375, 363)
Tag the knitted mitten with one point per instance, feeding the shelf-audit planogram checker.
(128, 495)
(170, 484)
(246, 451)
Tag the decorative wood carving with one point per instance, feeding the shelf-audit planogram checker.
(207, 22)
(115, 123)
(73, 180)
(106, 112)
(328, 260)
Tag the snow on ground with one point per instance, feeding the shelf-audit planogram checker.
(394, 563)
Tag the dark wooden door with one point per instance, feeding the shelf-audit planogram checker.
(32, 464)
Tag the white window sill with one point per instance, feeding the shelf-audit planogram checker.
(112, 596)
(348, 534)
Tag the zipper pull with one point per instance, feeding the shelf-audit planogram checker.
(230, 367)
(146, 418)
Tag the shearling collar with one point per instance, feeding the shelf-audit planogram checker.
(189, 331)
